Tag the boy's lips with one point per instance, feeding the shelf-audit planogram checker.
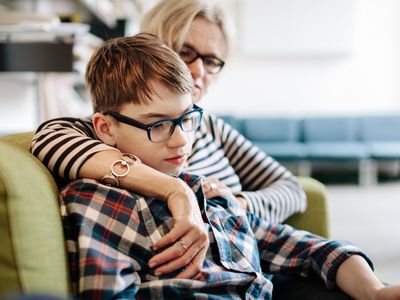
(177, 160)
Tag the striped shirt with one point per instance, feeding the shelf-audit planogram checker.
(109, 233)
(220, 151)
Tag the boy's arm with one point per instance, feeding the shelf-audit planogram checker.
(287, 251)
(109, 244)
(94, 220)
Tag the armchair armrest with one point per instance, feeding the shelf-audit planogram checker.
(315, 219)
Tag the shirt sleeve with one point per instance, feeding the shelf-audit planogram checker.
(272, 192)
(287, 251)
(63, 145)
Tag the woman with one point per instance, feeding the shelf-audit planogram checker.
(199, 32)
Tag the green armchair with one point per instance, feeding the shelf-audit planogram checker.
(32, 253)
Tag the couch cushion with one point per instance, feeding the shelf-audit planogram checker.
(233, 121)
(337, 151)
(384, 128)
(330, 129)
(272, 129)
(384, 150)
(283, 151)
(32, 255)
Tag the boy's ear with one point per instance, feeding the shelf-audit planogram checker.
(104, 128)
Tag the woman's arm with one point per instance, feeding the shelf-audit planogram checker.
(63, 146)
(271, 191)
(69, 148)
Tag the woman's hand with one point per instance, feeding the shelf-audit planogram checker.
(188, 238)
(212, 187)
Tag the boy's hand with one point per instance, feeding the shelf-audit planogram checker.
(188, 238)
(389, 293)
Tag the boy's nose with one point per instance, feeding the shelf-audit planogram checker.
(178, 138)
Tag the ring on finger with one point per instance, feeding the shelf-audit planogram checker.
(213, 186)
(182, 244)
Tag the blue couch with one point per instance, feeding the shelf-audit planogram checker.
(363, 141)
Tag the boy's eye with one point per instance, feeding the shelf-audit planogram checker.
(159, 127)
(187, 120)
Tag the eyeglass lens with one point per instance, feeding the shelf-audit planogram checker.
(162, 130)
(211, 64)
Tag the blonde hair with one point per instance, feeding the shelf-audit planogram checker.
(171, 20)
(122, 70)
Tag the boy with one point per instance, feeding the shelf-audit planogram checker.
(141, 94)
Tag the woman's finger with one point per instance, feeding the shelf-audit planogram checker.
(180, 247)
(210, 184)
(218, 189)
(172, 236)
(173, 252)
(184, 261)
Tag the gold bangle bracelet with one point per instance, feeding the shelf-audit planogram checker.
(127, 160)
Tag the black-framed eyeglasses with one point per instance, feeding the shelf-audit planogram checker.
(212, 64)
(162, 130)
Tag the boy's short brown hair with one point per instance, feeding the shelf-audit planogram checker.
(122, 70)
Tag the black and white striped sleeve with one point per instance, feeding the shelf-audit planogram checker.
(64, 144)
(271, 190)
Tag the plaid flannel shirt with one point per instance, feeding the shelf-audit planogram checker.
(110, 231)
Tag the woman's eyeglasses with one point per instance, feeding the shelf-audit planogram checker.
(162, 130)
(212, 64)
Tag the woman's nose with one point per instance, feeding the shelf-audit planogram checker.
(197, 68)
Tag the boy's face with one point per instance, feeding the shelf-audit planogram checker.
(168, 156)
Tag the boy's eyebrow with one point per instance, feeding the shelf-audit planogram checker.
(165, 116)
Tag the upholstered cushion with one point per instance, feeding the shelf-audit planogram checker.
(382, 128)
(330, 129)
(384, 150)
(272, 129)
(285, 151)
(32, 252)
(352, 151)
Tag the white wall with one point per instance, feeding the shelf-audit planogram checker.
(366, 81)
(18, 102)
